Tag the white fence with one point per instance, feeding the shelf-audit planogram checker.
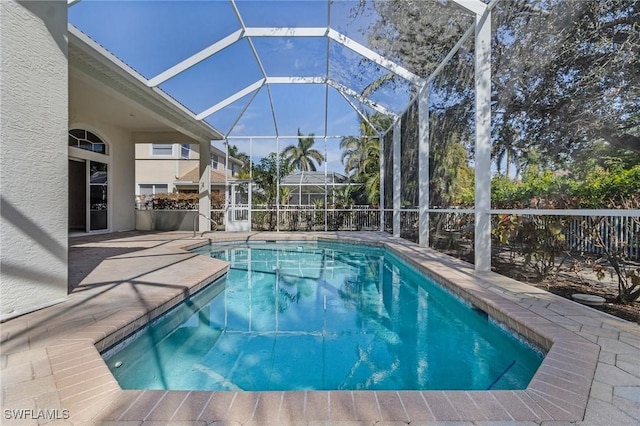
(621, 233)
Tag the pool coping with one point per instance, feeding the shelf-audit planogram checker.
(559, 390)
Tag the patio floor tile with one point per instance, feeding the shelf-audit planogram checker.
(49, 358)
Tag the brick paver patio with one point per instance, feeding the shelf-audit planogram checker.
(51, 366)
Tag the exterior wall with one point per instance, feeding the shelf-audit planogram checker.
(185, 166)
(33, 160)
(166, 220)
(156, 171)
(144, 152)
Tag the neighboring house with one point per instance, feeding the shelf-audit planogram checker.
(308, 187)
(166, 168)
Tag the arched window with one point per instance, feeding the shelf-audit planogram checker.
(84, 139)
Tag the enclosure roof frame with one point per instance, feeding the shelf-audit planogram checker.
(249, 32)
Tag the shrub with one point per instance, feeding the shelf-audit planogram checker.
(178, 201)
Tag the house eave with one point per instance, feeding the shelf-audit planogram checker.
(107, 71)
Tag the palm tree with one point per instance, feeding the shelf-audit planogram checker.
(352, 154)
(343, 196)
(371, 172)
(505, 146)
(361, 157)
(302, 156)
(359, 154)
(245, 169)
(285, 195)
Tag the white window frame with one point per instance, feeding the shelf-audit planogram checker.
(153, 154)
(154, 189)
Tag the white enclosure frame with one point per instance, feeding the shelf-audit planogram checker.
(480, 30)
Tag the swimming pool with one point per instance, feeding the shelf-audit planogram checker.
(321, 316)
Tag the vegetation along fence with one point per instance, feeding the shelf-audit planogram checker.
(591, 235)
(586, 234)
(598, 234)
(311, 218)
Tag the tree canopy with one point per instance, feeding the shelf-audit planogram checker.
(267, 173)
(303, 156)
(564, 72)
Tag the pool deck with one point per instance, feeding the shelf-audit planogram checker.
(50, 361)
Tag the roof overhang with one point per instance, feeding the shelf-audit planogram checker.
(99, 67)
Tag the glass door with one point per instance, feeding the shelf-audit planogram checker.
(98, 202)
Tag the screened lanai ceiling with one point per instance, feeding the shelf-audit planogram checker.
(273, 68)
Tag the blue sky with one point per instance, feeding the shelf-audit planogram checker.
(152, 36)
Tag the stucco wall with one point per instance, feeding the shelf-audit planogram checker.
(185, 166)
(33, 154)
(166, 220)
(157, 171)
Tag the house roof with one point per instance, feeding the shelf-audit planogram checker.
(193, 176)
(313, 178)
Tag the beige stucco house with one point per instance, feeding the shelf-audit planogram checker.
(166, 168)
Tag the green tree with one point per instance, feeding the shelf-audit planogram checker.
(303, 156)
(285, 195)
(451, 179)
(266, 176)
(344, 195)
(245, 169)
(564, 72)
(361, 158)
(359, 155)
(268, 172)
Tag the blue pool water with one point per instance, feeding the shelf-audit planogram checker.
(323, 316)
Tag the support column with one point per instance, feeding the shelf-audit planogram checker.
(326, 213)
(229, 214)
(382, 166)
(423, 166)
(396, 178)
(250, 185)
(483, 143)
(278, 184)
(204, 187)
